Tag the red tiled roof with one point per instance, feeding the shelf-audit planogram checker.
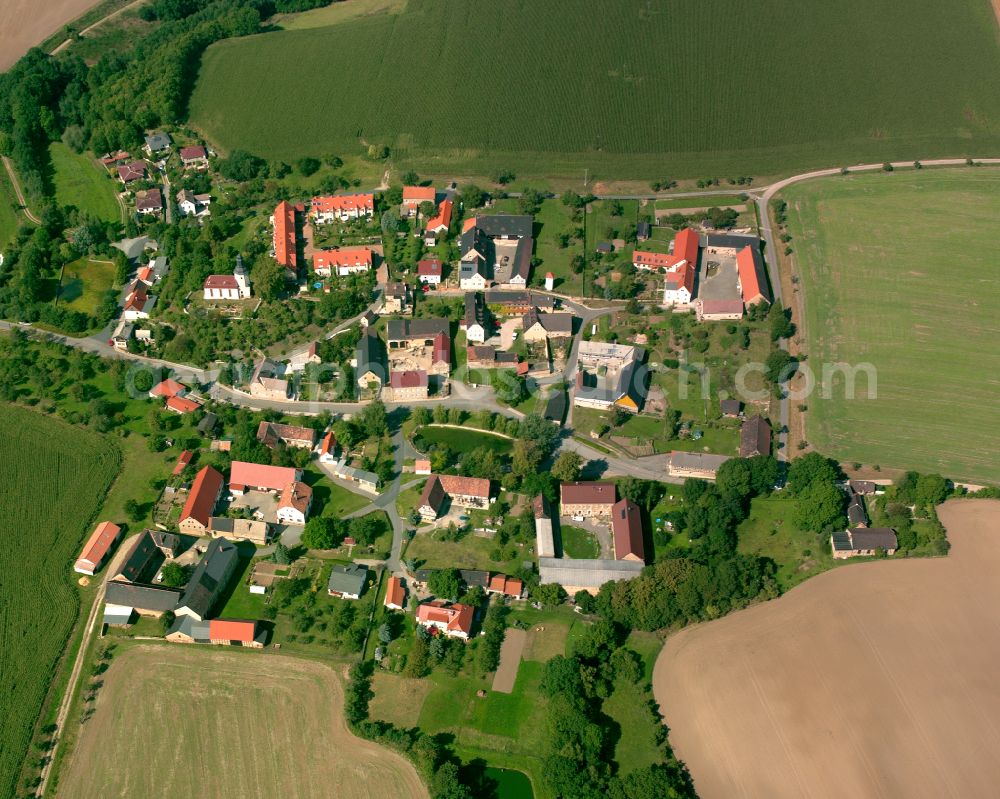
(466, 486)
(429, 267)
(193, 153)
(343, 202)
(97, 546)
(654, 260)
(415, 378)
(257, 475)
(203, 495)
(395, 594)
(221, 282)
(626, 526)
(145, 274)
(296, 495)
(443, 217)
(442, 349)
(230, 630)
(328, 444)
(468, 224)
(454, 617)
(509, 586)
(134, 171)
(345, 256)
(284, 235)
(422, 465)
(168, 388)
(414, 195)
(587, 493)
(749, 284)
(182, 404)
(182, 462)
(148, 200)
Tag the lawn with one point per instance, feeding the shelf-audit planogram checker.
(471, 552)
(899, 271)
(770, 531)
(579, 543)
(629, 706)
(330, 499)
(54, 480)
(84, 283)
(79, 182)
(606, 109)
(461, 440)
(718, 200)
(8, 210)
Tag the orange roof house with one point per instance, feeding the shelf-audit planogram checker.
(168, 388)
(440, 222)
(342, 261)
(235, 631)
(643, 259)
(97, 547)
(257, 476)
(342, 206)
(179, 404)
(626, 528)
(285, 235)
(753, 282)
(455, 621)
(204, 493)
(507, 586)
(395, 594)
(415, 195)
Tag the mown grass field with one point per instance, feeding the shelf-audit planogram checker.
(80, 183)
(565, 86)
(899, 270)
(84, 283)
(54, 479)
(276, 725)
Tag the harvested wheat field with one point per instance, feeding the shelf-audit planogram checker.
(872, 680)
(25, 23)
(176, 721)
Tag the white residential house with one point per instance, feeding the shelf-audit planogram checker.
(294, 504)
(191, 204)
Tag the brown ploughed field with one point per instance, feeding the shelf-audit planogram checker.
(194, 720)
(25, 23)
(871, 680)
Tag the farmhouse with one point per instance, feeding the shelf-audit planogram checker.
(267, 381)
(137, 303)
(395, 594)
(429, 271)
(342, 207)
(503, 585)
(245, 477)
(205, 492)
(168, 388)
(141, 560)
(455, 621)
(438, 224)
(294, 503)
(857, 513)
(228, 287)
(408, 385)
(543, 326)
(755, 437)
(194, 156)
(752, 277)
(302, 358)
(272, 434)
(343, 261)
(256, 532)
(486, 356)
(369, 362)
(209, 580)
(474, 322)
(495, 248)
(348, 582)
(191, 204)
(146, 600)
(420, 344)
(157, 142)
(129, 173)
(285, 242)
(587, 499)
(415, 196)
(397, 299)
(626, 530)
(466, 492)
(545, 545)
(105, 536)
(328, 448)
(694, 464)
(861, 542)
(609, 376)
(221, 632)
(149, 201)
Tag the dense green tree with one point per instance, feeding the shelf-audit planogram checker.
(445, 583)
(820, 507)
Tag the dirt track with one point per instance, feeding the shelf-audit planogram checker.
(176, 720)
(873, 680)
(25, 23)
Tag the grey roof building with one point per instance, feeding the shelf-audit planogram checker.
(157, 142)
(735, 241)
(402, 331)
(209, 579)
(586, 574)
(347, 581)
(151, 598)
(207, 424)
(369, 357)
(196, 630)
(141, 561)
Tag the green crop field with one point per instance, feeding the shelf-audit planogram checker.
(53, 481)
(79, 182)
(899, 270)
(627, 89)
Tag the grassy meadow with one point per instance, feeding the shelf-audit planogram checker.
(85, 282)
(899, 270)
(8, 210)
(636, 89)
(80, 183)
(54, 479)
